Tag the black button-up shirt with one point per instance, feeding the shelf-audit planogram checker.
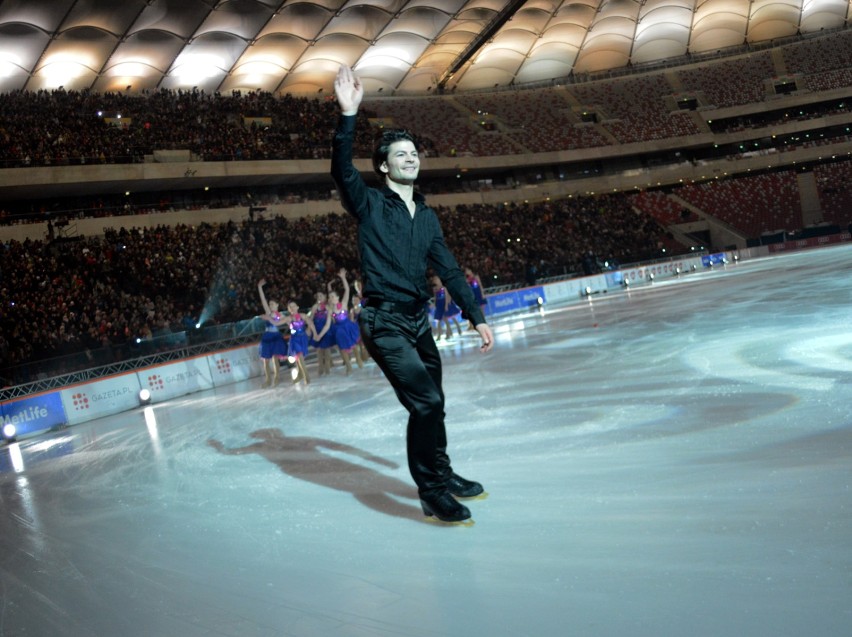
(395, 247)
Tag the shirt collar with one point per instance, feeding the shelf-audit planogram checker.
(418, 196)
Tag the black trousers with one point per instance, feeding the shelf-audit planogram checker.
(404, 349)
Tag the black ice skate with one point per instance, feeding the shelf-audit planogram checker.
(445, 508)
(462, 488)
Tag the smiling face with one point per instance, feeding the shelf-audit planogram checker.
(403, 162)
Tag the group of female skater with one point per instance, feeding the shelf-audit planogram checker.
(332, 323)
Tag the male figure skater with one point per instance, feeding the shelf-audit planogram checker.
(399, 237)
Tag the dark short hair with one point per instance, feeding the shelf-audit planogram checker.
(389, 136)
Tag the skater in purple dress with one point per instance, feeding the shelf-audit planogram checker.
(346, 333)
(301, 327)
(324, 340)
(273, 348)
(476, 287)
(361, 352)
(445, 310)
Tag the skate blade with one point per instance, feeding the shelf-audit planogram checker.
(466, 498)
(433, 520)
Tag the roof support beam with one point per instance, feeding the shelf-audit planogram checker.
(479, 41)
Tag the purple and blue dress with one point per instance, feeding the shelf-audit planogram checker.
(477, 290)
(298, 337)
(441, 312)
(320, 317)
(345, 330)
(272, 342)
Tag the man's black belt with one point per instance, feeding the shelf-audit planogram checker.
(411, 309)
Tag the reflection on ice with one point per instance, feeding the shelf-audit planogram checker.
(17, 458)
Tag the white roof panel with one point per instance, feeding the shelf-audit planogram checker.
(400, 46)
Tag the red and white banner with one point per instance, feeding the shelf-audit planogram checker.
(813, 242)
(176, 379)
(232, 365)
(110, 395)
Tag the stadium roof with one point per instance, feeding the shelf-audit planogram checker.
(396, 46)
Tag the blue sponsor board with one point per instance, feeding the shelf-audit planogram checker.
(504, 302)
(712, 259)
(529, 297)
(37, 413)
(515, 300)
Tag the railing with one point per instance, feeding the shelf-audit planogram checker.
(59, 371)
(53, 162)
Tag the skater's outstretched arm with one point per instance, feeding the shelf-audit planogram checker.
(352, 188)
(345, 299)
(263, 301)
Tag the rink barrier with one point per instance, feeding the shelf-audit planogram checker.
(75, 404)
(114, 394)
(573, 289)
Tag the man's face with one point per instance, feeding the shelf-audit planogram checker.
(403, 162)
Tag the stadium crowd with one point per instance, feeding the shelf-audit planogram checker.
(50, 128)
(60, 128)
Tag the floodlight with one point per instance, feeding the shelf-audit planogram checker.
(10, 432)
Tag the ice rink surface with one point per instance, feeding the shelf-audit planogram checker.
(672, 460)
